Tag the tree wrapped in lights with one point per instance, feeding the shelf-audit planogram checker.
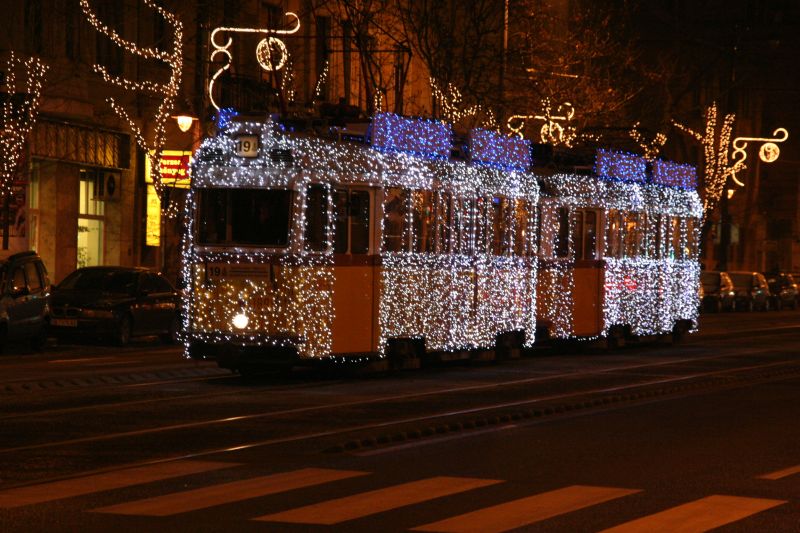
(20, 107)
(717, 165)
(165, 92)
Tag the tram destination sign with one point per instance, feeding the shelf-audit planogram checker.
(247, 146)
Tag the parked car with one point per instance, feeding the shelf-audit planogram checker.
(115, 303)
(752, 291)
(784, 289)
(24, 309)
(717, 291)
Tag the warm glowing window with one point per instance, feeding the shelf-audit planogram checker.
(395, 225)
(423, 221)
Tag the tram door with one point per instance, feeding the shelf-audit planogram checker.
(354, 323)
(588, 276)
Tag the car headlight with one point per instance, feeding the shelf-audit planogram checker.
(240, 321)
(97, 313)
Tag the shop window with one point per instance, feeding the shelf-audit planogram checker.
(90, 223)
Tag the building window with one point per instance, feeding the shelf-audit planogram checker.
(91, 222)
(109, 54)
(34, 26)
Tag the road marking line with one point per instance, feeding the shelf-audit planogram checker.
(192, 500)
(79, 486)
(526, 511)
(81, 360)
(698, 516)
(377, 501)
(786, 472)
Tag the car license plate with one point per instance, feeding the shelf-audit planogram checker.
(67, 322)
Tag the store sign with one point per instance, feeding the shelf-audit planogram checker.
(174, 168)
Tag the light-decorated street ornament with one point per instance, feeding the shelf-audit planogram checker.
(271, 52)
(165, 92)
(453, 109)
(768, 152)
(18, 112)
(556, 129)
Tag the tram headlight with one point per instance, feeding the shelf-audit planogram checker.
(240, 321)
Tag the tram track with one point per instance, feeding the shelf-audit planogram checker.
(312, 412)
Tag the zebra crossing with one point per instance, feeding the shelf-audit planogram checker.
(702, 514)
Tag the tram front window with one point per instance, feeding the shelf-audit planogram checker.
(255, 217)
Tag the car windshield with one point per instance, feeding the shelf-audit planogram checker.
(113, 281)
(710, 280)
(256, 217)
(742, 279)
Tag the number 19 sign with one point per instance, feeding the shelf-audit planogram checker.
(247, 146)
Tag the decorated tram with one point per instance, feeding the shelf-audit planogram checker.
(300, 248)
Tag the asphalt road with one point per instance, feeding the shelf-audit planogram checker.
(652, 437)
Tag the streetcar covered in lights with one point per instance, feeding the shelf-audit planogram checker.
(618, 250)
(304, 249)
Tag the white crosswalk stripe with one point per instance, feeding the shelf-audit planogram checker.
(192, 500)
(377, 501)
(68, 488)
(527, 511)
(700, 515)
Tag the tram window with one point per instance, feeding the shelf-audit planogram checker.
(260, 217)
(561, 244)
(212, 216)
(359, 222)
(340, 201)
(423, 221)
(480, 226)
(443, 222)
(500, 226)
(585, 235)
(316, 216)
(656, 233)
(691, 239)
(521, 231)
(462, 210)
(395, 234)
(257, 217)
(352, 210)
(613, 233)
(631, 236)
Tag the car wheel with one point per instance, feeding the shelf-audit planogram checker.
(172, 336)
(124, 331)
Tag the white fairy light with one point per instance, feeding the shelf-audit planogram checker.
(18, 114)
(165, 92)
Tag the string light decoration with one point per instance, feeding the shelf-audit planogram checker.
(271, 52)
(164, 92)
(287, 81)
(717, 166)
(552, 131)
(493, 149)
(652, 147)
(18, 113)
(322, 82)
(454, 110)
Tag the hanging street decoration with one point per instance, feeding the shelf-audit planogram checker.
(768, 153)
(20, 107)
(165, 92)
(556, 129)
(453, 109)
(271, 52)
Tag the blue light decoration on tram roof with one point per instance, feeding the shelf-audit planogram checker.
(430, 139)
(495, 150)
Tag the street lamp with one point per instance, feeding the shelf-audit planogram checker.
(184, 115)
